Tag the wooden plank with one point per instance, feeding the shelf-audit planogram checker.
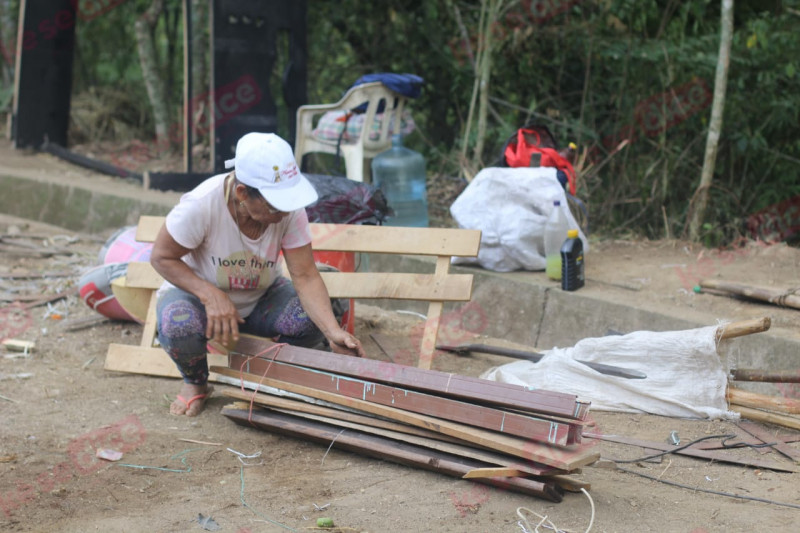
(433, 319)
(148, 227)
(395, 239)
(561, 457)
(142, 275)
(433, 381)
(368, 239)
(367, 285)
(701, 454)
(136, 301)
(349, 416)
(454, 446)
(399, 286)
(149, 361)
(491, 471)
(149, 330)
(504, 422)
(375, 446)
(767, 437)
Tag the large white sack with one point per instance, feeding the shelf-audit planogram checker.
(510, 206)
(685, 377)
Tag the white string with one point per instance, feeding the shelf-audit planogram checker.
(242, 457)
(525, 525)
(329, 447)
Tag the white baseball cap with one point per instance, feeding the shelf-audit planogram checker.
(266, 162)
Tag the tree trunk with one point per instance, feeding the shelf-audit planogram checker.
(490, 10)
(8, 43)
(700, 199)
(484, 76)
(148, 59)
(200, 80)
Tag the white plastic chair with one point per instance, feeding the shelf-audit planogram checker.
(354, 151)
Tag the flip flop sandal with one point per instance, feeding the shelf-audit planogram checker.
(189, 402)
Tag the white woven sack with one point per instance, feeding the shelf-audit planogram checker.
(510, 206)
(685, 377)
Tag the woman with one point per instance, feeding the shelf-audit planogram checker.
(218, 252)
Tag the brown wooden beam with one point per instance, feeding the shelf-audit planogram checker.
(565, 458)
(374, 446)
(397, 431)
(427, 404)
(766, 376)
(442, 383)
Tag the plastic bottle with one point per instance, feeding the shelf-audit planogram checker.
(400, 173)
(572, 265)
(555, 231)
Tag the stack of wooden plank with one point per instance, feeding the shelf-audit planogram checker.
(505, 435)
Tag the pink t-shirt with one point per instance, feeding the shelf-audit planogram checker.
(221, 254)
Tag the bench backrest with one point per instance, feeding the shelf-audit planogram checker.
(437, 287)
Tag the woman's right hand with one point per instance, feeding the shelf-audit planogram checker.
(223, 318)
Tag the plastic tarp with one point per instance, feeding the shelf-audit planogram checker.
(511, 206)
(685, 376)
(344, 201)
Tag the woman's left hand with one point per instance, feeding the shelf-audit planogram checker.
(344, 343)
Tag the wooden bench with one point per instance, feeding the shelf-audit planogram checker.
(137, 292)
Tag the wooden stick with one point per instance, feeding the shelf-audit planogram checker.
(764, 416)
(492, 472)
(782, 297)
(743, 327)
(762, 401)
(775, 376)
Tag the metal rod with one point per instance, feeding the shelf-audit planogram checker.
(536, 357)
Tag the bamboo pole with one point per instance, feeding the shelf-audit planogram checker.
(743, 327)
(764, 376)
(764, 416)
(762, 401)
(699, 202)
(782, 297)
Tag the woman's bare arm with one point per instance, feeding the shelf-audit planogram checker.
(223, 318)
(316, 302)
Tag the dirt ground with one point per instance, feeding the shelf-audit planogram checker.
(58, 403)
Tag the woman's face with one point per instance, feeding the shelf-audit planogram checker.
(260, 210)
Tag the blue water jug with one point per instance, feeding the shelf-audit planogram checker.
(400, 174)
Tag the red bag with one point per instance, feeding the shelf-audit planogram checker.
(518, 154)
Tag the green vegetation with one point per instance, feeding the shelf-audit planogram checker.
(595, 71)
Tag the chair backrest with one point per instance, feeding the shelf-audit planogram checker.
(373, 94)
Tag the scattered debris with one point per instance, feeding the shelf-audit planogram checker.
(18, 375)
(17, 345)
(108, 455)
(208, 523)
(242, 457)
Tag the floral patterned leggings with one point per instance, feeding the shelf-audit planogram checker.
(278, 315)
